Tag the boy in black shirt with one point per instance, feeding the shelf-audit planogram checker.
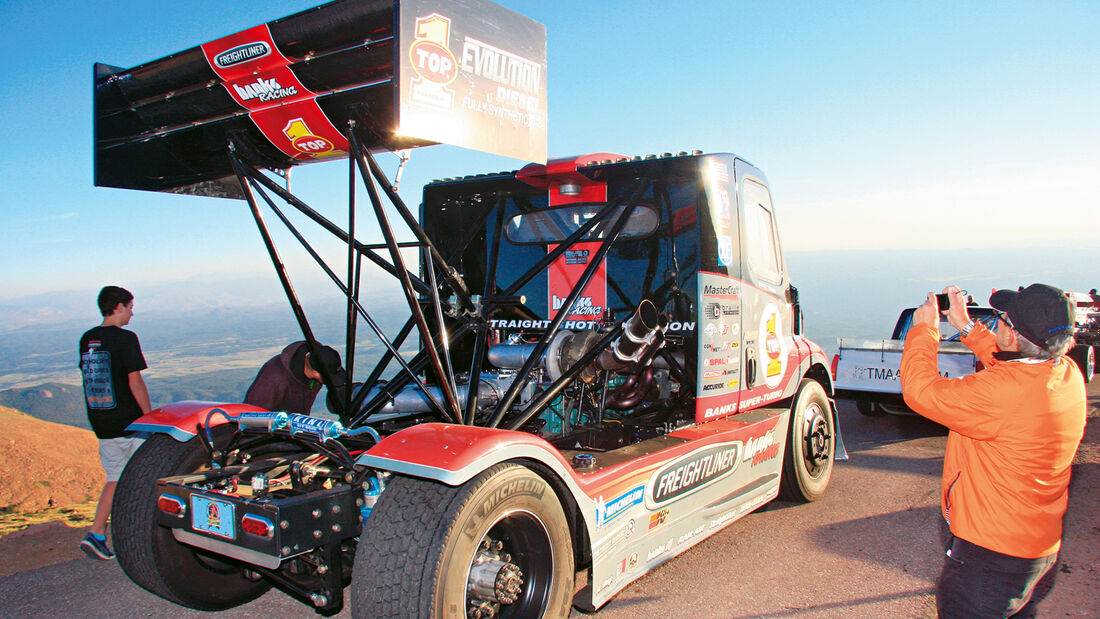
(115, 394)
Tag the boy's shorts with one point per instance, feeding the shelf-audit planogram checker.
(114, 453)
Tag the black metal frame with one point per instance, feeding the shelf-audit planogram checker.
(470, 312)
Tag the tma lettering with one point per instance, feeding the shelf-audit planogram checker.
(891, 374)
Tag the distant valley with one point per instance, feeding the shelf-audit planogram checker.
(207, 341)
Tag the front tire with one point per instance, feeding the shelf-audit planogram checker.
(148, 552)
(499, 543)
(811, 443)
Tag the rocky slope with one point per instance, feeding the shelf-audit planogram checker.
(46, 464)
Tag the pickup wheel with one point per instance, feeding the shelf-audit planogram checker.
(868, 408)
(148, 552)
(811, 439)
(1085, 356)
(497, 546)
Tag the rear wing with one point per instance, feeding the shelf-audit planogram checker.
(400, 74)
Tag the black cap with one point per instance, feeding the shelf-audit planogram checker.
(328, 358)
(1038, 312)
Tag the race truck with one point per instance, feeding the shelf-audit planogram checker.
(869, 371)
(603, 363)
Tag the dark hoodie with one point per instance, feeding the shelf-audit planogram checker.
(282, 385)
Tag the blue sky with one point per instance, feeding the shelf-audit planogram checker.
(879, 124)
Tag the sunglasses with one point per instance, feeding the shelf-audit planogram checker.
(1003, 317)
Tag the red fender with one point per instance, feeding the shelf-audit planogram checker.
(180, 419)
(454, 454)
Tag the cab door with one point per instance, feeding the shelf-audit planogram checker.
(768, 353)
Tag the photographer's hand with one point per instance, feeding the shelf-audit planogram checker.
(928, 313)
(957, 315)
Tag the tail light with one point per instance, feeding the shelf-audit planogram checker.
(832, 369)
(257, 525)
(171, 505)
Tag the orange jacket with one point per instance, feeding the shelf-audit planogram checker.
(1015, 427)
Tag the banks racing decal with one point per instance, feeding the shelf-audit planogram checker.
(760, 449)
(258, 77)
(564, 273)
(773, 348)
(612, 509)
(660, 550)
(692, 473)
(264, 89)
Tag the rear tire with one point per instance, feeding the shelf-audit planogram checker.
(148, 552)
(426, 545)
(1085, 356)
(811, 443)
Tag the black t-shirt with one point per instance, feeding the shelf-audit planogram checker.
(107, 356)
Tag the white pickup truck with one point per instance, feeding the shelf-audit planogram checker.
(868, 371)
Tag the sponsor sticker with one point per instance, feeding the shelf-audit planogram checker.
(658, 519)
(692, 472)
(660, 550)
(258, 77)
(761, 448)
(607, 511)
(773, 348)
(242, 53)
(563, 275)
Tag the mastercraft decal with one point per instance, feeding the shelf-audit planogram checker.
(773, 347)
(692, 472)
(609, 510)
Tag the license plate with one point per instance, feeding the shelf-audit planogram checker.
(212, 516)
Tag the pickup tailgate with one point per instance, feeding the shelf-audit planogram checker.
(874, 365)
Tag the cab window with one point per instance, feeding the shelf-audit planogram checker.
(761, 241)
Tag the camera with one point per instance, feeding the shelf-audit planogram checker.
(943, 301)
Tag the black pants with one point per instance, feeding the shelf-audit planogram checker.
(978, 582)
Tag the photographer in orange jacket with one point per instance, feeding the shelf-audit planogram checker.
(1014, 429)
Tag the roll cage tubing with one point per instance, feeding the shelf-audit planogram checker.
(472, 312)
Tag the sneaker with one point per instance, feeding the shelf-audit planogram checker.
(95, 548)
